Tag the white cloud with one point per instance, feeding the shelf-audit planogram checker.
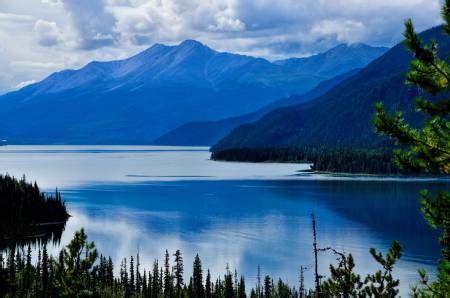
(24, 83)
(35, 64)
(347, 31)
(47, 33)
(54, 34)
(93, 23)
(12, 17)
(225, 24)
(52, 2)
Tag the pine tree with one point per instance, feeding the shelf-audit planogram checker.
(138, 275)
(44, 270)
(228, 279)
(110, 272)
(267, 287)
(343, 282)
(236, 282)
(168, 280)
(241, 290)
(28, 270)
(76, 265)
(178, 270)
(427, 149)
(144, 284)
(150, 285)
(161, 282)
(37, 277)
(382, 283)
(258, 281)
(208, 286)
(302, 282)
(155, 277)
(131, 281)
(197, 278)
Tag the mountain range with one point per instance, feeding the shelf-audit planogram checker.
(136, 100)
(342, 116)
(207, 133)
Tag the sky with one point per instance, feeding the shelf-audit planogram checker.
(39, 37)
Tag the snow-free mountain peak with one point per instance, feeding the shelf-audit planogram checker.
(137, 99)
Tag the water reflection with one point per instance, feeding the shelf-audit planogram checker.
(50, 233)
(246, 223)
(68, 166)
(149, 199)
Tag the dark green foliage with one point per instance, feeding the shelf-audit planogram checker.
(156, 290)
(131, 283)
(325, 159)
(80, 272)
(267, 286)
(197, 278)
(79, 258)
(342, 116)
(229, 287)
(178, 270)
(26, 211)
(426, 148)
(168, 278)
(208, 285)
(344, 282)
(241, 289)
(382, 283)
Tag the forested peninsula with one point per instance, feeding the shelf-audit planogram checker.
(27, 212)
(321, 158)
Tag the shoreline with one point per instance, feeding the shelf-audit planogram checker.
(307, 172)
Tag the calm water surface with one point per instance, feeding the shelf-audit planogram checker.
(148, 199)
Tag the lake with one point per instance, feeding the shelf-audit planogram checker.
(147, 199)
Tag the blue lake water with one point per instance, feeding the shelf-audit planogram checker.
(148, 199)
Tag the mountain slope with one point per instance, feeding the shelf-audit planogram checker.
(135, 100)
(341, 117)
(207, 133)
(337, 58)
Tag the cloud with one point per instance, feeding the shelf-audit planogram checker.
(47, 33)
(17, 18)
(35, 64)
(247, 22)
(52, 2)
(347, 31)
(225, 24)
(93, 23)
(86, 30)
(24, 83)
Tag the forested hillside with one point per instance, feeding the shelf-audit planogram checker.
(136, 100)
(341, 117)
(207, 133)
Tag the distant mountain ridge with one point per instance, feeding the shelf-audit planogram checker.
(136, 100)
(342, 116)
(207, 133)
(330, 62)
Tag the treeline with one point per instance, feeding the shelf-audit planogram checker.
(324, 159)
(25, 210)
(79, 271)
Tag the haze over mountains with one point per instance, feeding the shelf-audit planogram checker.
(342, 116)
(207, 133)
(136, 100)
